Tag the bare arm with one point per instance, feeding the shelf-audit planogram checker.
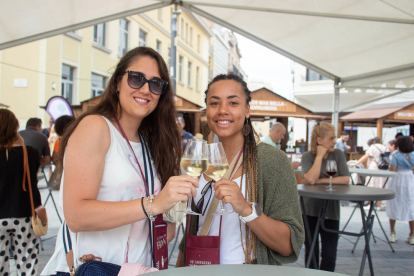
(335, 180)
(84, 167)
(315, 171)
(170, 232)
(180, 260)
(361, 160)
(393, 168)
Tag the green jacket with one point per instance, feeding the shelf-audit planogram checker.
(278, 197)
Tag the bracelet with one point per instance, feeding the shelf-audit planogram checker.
(142, 205)
(146, 207)
(151, 215)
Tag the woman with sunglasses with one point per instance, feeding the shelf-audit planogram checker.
(266, 226)
(104, 195)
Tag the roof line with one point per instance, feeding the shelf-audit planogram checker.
(305, 13)
(260, 41)
(81, 25)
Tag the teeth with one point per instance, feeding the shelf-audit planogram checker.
(141, 100)
(224, 122)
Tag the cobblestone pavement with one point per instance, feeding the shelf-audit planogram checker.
(384, 260)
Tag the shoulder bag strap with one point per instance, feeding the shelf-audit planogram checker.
(26, 172)
(409, 161)
(234, 166)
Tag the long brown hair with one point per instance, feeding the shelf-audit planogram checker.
(249, 167)
(159, 129)
(8, 128)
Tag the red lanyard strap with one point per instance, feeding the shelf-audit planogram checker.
(136, 159)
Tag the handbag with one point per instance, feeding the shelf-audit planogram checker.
(409, 161)
(203, 249)
(382, 164)
(39, 226)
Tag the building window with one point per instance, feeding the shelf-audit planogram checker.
(180, 69)
(197, 78)
(159, 14)
(67, 83)
(314, 76)
(99, 34)
(191, 36)
(169, 59)
(158, 46)
(142, 37)
(186, 32)
(189, 73)
(123, 37)
(198, 43)
(182, 28)
(97, 85)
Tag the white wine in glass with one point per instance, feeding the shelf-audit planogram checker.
(217, 167)
(194, 167)
(194, 163)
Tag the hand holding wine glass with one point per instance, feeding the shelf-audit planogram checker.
(331, 170)
(194, 163)
(217, 167)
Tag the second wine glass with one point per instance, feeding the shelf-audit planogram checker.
(217, 167)
(194, 163)
(331, 170)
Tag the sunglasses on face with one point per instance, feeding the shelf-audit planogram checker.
(136, 80)
(204, 191)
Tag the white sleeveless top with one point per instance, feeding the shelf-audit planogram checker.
(121, 181)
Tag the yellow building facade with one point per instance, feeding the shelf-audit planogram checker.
(76, 65)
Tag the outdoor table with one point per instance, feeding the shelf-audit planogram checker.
(242, 270)
(371, 173)
(355, 193)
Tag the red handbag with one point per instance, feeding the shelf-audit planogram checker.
(202, 250)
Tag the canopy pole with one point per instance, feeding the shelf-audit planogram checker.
(335, 104)
(173, 49)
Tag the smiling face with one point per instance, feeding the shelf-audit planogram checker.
(139, 103)
(328, 141)
(227, 109)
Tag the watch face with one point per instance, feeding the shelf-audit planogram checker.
(258, 209)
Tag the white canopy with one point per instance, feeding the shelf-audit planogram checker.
(357, 43)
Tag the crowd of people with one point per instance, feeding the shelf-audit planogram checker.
(120, 169)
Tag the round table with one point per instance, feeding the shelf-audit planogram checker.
(345, 192)
(242, 270)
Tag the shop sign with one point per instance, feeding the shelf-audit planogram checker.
(262, 105)
(404, 114)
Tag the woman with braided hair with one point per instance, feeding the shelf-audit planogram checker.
(266, 226)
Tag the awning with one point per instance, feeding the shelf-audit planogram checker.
(371, 114)
(357, 42)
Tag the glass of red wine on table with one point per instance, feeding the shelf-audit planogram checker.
(331, 170)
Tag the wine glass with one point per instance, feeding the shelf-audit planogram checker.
(331, 169)
(217, 167)
(194, 163)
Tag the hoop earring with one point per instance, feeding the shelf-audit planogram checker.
(246, 128)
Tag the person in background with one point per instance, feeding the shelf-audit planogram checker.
(402, 206)
(60, 126)
(398, 135)
(184, 134)
(314, 173)
(33, 137)
(391, 148)
(46, 131)
(373, 155)
(276, 134)
(15, 208)
(341, 142)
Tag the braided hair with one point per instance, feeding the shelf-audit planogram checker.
(249, 166)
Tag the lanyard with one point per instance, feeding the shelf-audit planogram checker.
(143, 178)
(136, 159)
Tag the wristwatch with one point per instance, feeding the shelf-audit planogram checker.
(256, 212)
